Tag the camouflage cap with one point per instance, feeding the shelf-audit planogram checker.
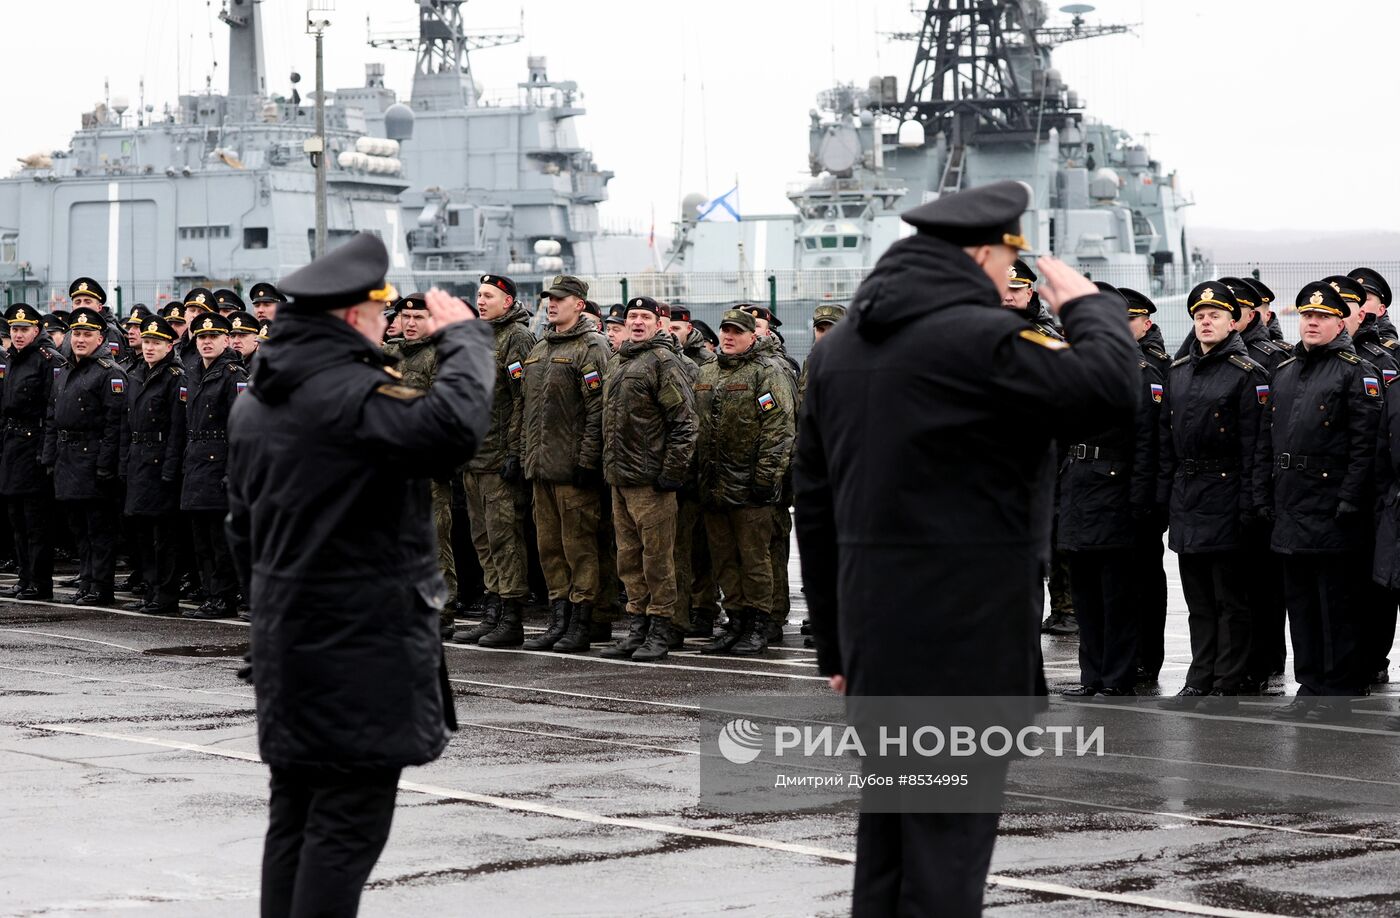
(828, 314)
(567, 285)
(739, 319)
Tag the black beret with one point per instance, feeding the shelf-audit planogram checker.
(1020, 275)
(1320, 296)
(54, 320)
(202, 297)
(1244, 294)
(212, 324)
(987, 215)
(345, 276)
(706, 331)
(1371, 281)
(1348, 288)
(644, 302)
(592, 309)
(760, 312)
(242, 323)
(414, 301)
(86, 286)
(264, 292)
(1215, 294)
(156, 327)
(1112, 292)
(499, 282)
(22, 314)
(228, 299)
(1138, 304)
(84, 317)
(680, 313)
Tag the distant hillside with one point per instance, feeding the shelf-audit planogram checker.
(1228, 245)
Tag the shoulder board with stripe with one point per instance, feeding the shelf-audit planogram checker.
(1389, 343)
(1348, 356)
(1243, 363)
(1284, 346)
(1373, 348)
(1180, 360)
(1158, 353)
(105, 363)
(1042, 339)
(1284, 363)
(1048, 330)
(176, 370)
(1143, 364)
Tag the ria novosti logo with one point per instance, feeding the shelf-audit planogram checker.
(740, 741)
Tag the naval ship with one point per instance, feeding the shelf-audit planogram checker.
(218, 190)
(982, 103)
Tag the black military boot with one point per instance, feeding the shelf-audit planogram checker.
(729, 636)
(600, 632)
(578, 637)
(509, 631)
(702, 624)
(754, 638)
(658, 642)
(491, 617)
(774, 633)
(636, 636)
(559, 613)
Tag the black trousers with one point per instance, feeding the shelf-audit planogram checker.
(94, 526)
(31, 521)
(1377, 626)
(325, 832)
(913, 865)
(155, 558)
(1149, 587)
(1267, 650)
(1325, 621)
(1217, 602)
(1101, 583)
(216, 571)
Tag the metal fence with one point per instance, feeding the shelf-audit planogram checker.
(792, 295)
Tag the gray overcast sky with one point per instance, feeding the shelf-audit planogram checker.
(1275, 114)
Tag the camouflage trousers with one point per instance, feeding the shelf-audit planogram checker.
(442, 522)
(689, 532)
(739, 541)
(566, 528)
(704, 592)
(498, 533)
(645, 521)
(779, 548)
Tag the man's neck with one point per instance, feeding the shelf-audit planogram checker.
(1206, 348)
(209, 361)
(565, 329)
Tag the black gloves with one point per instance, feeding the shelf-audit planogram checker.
(761, 494)
(1347, 512)
(665, 484)
(587, 478)
(511, 472)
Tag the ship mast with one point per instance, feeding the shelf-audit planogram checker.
(246, 78)
(442, 80)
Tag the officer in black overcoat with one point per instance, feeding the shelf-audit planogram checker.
(331, 525)
(924, 479)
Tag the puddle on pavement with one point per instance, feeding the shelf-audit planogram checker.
(200, 650)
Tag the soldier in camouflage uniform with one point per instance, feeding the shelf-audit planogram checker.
(688, 337)
(744, 403)
(563, 387)
(607, 608)
(697, 605)
(649, 434)
(494, 478)
(770, 343)
(417, 361)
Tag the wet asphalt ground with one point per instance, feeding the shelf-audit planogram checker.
(131, 786)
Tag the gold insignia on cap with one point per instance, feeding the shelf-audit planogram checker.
(1334, 286)
(19, 314)
(1316, 298)
(208, 323)
(1208, 293)
(237, 322)
(558, 279)
(1011, 272)
(82, 286)
(153, 327)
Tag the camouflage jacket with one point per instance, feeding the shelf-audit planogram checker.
(563, 391)
(694, 348)
(745, 407)
(506, 435)
(417, 361)
(649, 425)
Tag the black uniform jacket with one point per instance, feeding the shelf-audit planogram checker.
(156, 438)
(209, 397)
(1326, 407)
(85, 428)
(26, 381)
(331, 527)
(924, 472)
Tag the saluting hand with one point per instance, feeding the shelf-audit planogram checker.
(1059, 283)
(446, 309)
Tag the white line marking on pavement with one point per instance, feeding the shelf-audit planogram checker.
(68, 637)
(590, 659)
(830, 854)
